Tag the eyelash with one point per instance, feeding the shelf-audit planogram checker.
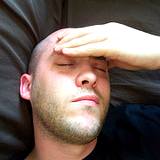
(65, 64)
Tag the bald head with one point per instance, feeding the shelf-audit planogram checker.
(44, 46)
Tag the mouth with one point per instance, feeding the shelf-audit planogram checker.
(90, 100)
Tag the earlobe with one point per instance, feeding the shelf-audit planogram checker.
(25, 86)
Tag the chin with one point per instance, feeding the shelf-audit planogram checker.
(88, 125)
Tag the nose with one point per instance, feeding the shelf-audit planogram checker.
(86, 78)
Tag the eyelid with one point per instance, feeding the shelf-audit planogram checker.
(103, 70)
(64, 64)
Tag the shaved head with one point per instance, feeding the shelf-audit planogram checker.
(42, 47)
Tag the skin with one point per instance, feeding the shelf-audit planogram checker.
(64, 128)
(125, 47)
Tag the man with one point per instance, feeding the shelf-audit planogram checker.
(34, 20)
(67, 123)
(69, 98)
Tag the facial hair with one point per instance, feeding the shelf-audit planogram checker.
(54, 120)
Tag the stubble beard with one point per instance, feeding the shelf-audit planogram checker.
(54, 122)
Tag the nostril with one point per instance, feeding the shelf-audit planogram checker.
(85, 82)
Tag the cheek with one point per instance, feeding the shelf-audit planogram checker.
(62, 85)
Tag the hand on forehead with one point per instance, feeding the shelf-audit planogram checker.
(55, 37)
(46, 48)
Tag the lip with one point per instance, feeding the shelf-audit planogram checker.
(91, 98)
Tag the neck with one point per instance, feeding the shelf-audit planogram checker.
(49, 148)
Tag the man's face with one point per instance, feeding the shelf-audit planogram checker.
(70, 96)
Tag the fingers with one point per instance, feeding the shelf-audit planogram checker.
(83, 40)
(63, 33)
(72, 34)
(94, 49)
(77, 32)
(68, 39)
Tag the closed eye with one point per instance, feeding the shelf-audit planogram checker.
(65, 64)
(101, 69)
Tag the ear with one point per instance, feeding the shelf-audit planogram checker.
(25, 86)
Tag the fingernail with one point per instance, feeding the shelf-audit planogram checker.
(57, 48)
(60, 36)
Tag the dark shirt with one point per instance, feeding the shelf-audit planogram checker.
(131, 132)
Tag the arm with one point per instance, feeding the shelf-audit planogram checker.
(126, 47)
